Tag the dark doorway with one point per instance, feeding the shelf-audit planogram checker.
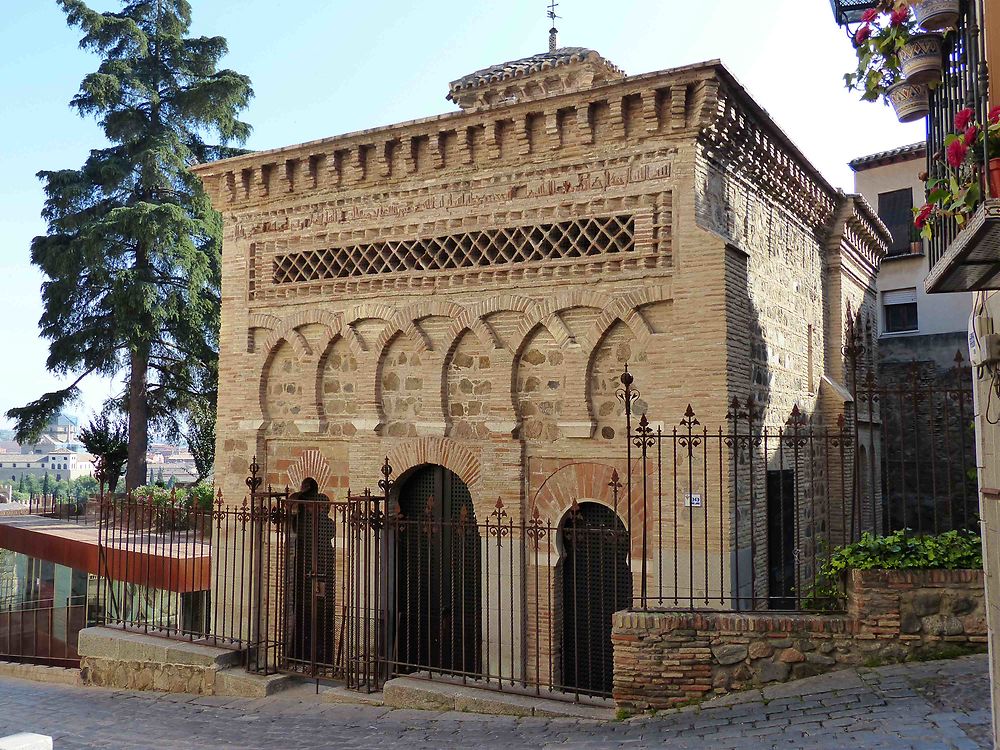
(437, 595)
(310, 585)
(596, 583)
(781, 539)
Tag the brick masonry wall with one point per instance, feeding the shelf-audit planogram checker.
(666, 658)
(367, 311)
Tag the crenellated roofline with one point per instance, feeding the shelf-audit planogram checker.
(683, 102)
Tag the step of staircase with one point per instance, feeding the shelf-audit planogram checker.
(435, 695)
(236, 682)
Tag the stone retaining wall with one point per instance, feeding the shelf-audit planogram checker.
(663, 658)
(135, 661)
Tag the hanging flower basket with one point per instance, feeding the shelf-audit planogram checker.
(936, 15)
(921, 59)
(911, 101)
(884, 32)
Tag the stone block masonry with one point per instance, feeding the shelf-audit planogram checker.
(665, 658)
(128, 660)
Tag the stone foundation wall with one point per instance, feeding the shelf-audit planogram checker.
(665, 658)
(134, 661)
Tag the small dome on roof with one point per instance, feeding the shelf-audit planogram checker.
(558, 71)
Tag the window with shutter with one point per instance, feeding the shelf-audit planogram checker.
(895, 209)
(900, 310)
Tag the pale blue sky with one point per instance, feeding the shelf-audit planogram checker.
(323, 67)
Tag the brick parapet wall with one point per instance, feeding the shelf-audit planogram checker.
(665, 658)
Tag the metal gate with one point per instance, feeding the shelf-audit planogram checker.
(596, 583)
(436, 575)
(304, 580)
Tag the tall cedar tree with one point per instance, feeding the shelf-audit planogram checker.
(132, 252)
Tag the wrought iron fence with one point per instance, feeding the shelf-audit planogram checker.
(163, 564)
(517, 604)
(733, 516)
(743, 515)
(925, 453)
(739, 516)
(42, 631)
(73, 510)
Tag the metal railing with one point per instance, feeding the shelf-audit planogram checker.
(163, 564)
(743, 515)
(964, 85)
(81, 511)
(523, 604)
(734, 516)
(40, 632)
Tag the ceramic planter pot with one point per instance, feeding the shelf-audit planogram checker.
(936, 15)
(921, 59)
(994, 178)
(910, 100)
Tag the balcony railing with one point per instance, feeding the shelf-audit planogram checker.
(964, 86)
(850, 11)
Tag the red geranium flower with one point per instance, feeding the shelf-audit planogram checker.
(899, 16)
(923, 215)
(995, 115)
(956, 153)
(971, 133)
(863, 33)
(869, 15)
(963, 118)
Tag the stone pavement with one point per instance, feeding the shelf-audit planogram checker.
(921, 706)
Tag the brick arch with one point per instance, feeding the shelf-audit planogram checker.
(575, 298)
(369, 310)
(289, 330)
(401, 325)
(295, 339)
(418, 345)
(546, 313)
(406, 320)
(588, 481)
(432, 307)
(473, 318)
(409, 454)
(478, 328)
(584, 480)
(305, 357)
(605, 363)
(260, 322)
(542, 425)
(286, 331)
(354, 346)
(498, 378)
(626, 309)
(264, 320)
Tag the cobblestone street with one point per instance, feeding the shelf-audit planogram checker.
(921, 706)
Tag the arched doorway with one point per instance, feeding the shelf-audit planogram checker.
(438, 607)
(310, 585)
(596, 583)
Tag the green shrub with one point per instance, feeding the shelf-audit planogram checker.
(199, 496)
(202, 496)
(901, 550)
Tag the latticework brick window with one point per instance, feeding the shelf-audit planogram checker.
(490, 247)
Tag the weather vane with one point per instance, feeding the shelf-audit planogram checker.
(553, 32)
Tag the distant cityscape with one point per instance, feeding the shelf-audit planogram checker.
(61, 456)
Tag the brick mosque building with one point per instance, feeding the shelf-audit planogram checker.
(461, 293)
